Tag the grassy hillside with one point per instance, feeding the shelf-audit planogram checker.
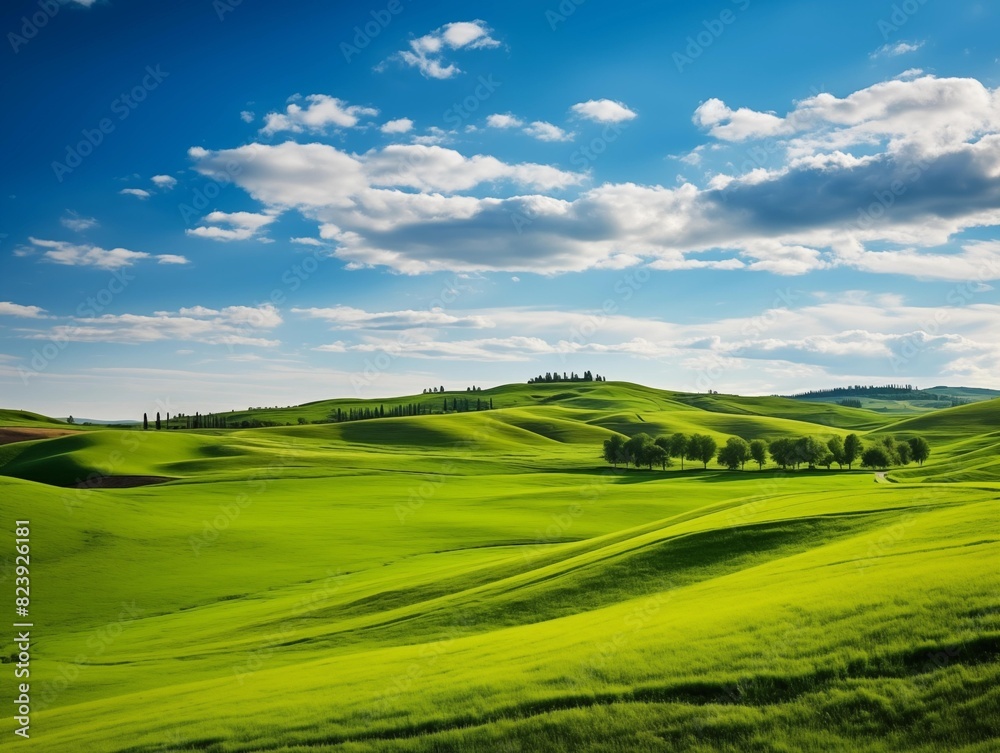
(23, 418)
(481, 581)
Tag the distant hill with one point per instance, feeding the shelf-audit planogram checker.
(10, 417)
(898, 399)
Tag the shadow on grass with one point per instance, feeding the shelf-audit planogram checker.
(641, 475)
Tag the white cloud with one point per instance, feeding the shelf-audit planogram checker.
(231, 226)
(139, 193)
(426, 52)
(15, 309)
(346, 317)
(247, 116)
(399, 125)
(544, 131)
(76, 223)
(83, 255)
(434, 168)
(895, 50)
(321, 112)
(233, 325)
(307, 241)
(815, 206)
(171, 259)
(164, 182)
(603, 111)
(504, 120)
(433, 137)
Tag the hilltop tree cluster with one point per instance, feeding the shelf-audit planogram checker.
(787, 452)
(555, 376)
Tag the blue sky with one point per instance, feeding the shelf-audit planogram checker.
(219, 205)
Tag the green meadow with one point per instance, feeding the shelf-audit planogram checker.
(483, 581)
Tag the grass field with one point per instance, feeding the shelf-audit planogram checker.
(482, 582)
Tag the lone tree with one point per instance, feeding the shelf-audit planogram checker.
(157, 420)
(145, 422)
(701, 447)
(614, 450)
(678, 447)
(920, 450)
(735, 453)
(758, 451)
(852, 449)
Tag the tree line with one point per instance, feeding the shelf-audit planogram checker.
(787, 452)
(555, 376)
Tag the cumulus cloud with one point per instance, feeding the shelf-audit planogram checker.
(539, 129)
(320, 114)
(231, 226)
(400, 125)
(603, 111)
(870, 181)
(426, 53)
(164, 182)
(434, 168)
(503, 120)
(15, 309)
(139, 193)
(544, 131)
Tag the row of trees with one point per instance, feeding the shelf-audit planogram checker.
(555, 376)
(860, 390)
(449, 405)
(788, 452)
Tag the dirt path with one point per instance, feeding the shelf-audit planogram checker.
(11, 434)
(881, 477)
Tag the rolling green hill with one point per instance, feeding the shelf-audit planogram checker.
(482, 581)
(23, 418)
